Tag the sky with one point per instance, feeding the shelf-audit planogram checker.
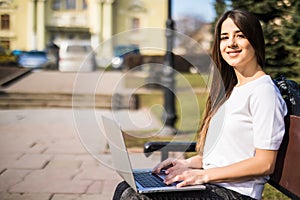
(203, 8)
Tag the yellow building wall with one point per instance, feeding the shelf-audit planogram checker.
(22, 33)
(21, 25)
(27, 38)
(152, 15)
(18, 32)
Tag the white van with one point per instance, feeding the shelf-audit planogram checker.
(76, 56)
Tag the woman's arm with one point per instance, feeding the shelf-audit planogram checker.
(263, 163)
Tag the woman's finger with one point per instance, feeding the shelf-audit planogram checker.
(163, 165)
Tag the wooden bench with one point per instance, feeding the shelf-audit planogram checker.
(286, 177)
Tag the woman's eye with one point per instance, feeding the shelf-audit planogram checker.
(223, 38)
(241, 36)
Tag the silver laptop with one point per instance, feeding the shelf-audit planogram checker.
(141, 180)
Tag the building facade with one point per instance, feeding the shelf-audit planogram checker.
(32, 24)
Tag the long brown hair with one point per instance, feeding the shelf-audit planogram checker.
(224, 77)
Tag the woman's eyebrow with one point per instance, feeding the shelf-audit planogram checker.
(237, 31)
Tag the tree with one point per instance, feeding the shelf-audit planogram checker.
(281, 23)
(220, 7)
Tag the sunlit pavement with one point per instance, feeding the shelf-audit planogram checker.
(43, 157)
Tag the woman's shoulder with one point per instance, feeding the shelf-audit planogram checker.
(263, 84)
(259, 85)
(265, 92)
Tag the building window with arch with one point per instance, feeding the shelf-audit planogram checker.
(5, 22)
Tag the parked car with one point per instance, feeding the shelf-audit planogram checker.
(7, 58)
(76, 56)
(35, 60)
(120, 53)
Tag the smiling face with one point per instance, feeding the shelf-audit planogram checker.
(235, 48)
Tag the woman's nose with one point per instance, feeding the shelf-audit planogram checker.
(232, 42)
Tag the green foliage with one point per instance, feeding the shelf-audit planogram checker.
(220, 7)
(270, 193)
(280, 20)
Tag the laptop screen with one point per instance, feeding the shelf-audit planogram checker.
(118, 151)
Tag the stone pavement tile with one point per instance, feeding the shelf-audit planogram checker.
(95, 197)
(7, 160)
(11, 143)
(10, 177)
(65, 197)
(52, 181)
(80, 197)
(87, 160)
(25, 196)
(68, 146)
(96, 173)
(109, 187)
(95, 187)
(31, 161)
(64, 162)
(37, 147)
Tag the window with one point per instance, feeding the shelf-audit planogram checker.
(5, 44)
(135, 23)
(5, 22)
(56, 4)
(70, 4)
(84, 5)
(70, 36)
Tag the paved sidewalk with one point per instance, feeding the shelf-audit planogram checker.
(59, 153)
(42, 157)
(66, 83)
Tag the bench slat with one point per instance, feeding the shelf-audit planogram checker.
(286, 177)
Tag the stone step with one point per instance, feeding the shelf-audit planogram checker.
(46, 100)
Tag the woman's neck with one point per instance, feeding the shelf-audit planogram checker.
(246, 76)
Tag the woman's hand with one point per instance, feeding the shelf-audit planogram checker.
(179, 171)
(170, 163)
(182, 170)
(192, 162)
(185, 177)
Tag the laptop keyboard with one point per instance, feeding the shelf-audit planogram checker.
(148, 180)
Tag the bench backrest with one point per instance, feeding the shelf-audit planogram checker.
(286, 176)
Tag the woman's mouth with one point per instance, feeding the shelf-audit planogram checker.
(234, 53)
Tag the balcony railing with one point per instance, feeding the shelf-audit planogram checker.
(67, 19)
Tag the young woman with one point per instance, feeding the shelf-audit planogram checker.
(246, 113)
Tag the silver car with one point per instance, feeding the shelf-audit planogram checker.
(76, 56)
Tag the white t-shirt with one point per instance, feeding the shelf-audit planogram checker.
(252, 117)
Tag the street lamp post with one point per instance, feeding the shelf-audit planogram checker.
(168, 78)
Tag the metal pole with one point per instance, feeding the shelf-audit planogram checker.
(168, 78)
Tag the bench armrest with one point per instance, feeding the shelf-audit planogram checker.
(166, 147)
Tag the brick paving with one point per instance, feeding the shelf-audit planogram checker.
(42, 156)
